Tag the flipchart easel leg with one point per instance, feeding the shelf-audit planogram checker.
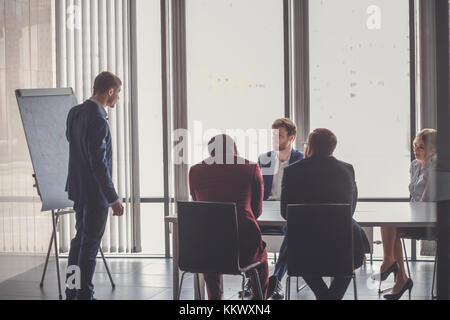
(53, 241)
(54, 218)
(48, 255)
(107, 269)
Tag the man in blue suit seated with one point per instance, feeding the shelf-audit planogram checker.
(272, 166)
(324, 179)
(89, 181)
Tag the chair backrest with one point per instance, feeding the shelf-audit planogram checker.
(320, 238)
(208, 237)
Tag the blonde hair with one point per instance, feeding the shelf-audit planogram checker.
(429, 138)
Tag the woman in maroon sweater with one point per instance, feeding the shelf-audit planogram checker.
(226, 177)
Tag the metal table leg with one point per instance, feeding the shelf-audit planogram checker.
(175, 269)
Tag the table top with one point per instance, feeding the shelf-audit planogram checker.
(371, 214)
(367, 214)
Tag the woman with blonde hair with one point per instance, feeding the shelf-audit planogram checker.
(421, 190)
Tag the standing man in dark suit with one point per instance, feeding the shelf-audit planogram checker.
(272, 165)
(89, 181)
(324, 179)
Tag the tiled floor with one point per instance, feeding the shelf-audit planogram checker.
(14, 265)
(151, 279)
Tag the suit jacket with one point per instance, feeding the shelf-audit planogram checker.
(89, 179)
(324, 180)
(236, 183)
(265, 162)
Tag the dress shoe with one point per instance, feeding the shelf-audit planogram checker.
(247, 290)
(275, 290)
(408, 286)
(384, 275)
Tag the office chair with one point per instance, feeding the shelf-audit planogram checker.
(369, 235)
(320, 238)
(209, 242)
(273, 242)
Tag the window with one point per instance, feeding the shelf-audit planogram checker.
(235, 72)
(152, 229)
(150, 124)
(360, 88)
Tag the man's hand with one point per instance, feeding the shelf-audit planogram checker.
(117, 209)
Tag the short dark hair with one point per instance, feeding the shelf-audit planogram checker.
(322, 142)
(105, 81)
(287, 124)
(228, 143)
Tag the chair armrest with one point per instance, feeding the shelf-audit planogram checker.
(250, 267)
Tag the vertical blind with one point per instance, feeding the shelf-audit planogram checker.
(92, 36)
(26, 48)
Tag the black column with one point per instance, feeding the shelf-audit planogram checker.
(443, 116)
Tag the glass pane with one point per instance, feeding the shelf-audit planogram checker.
(235, 71)
(152, 229)
(150, 98)
(360, 88)
(378, 246)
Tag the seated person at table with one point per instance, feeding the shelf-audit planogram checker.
(226, 177)
(324, 179)
(421, 189)
(272, 166)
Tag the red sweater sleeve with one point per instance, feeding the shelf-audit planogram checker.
(257, 192)
(192, 184)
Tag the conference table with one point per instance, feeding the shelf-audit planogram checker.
(367, 214)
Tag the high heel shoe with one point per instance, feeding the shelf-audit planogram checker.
(408, 286)
(384, 275)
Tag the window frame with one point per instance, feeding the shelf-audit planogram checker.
(296, 48)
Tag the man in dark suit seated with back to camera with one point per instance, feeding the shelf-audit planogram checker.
(324, 179)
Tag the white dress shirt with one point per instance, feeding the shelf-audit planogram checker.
(278, 178)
